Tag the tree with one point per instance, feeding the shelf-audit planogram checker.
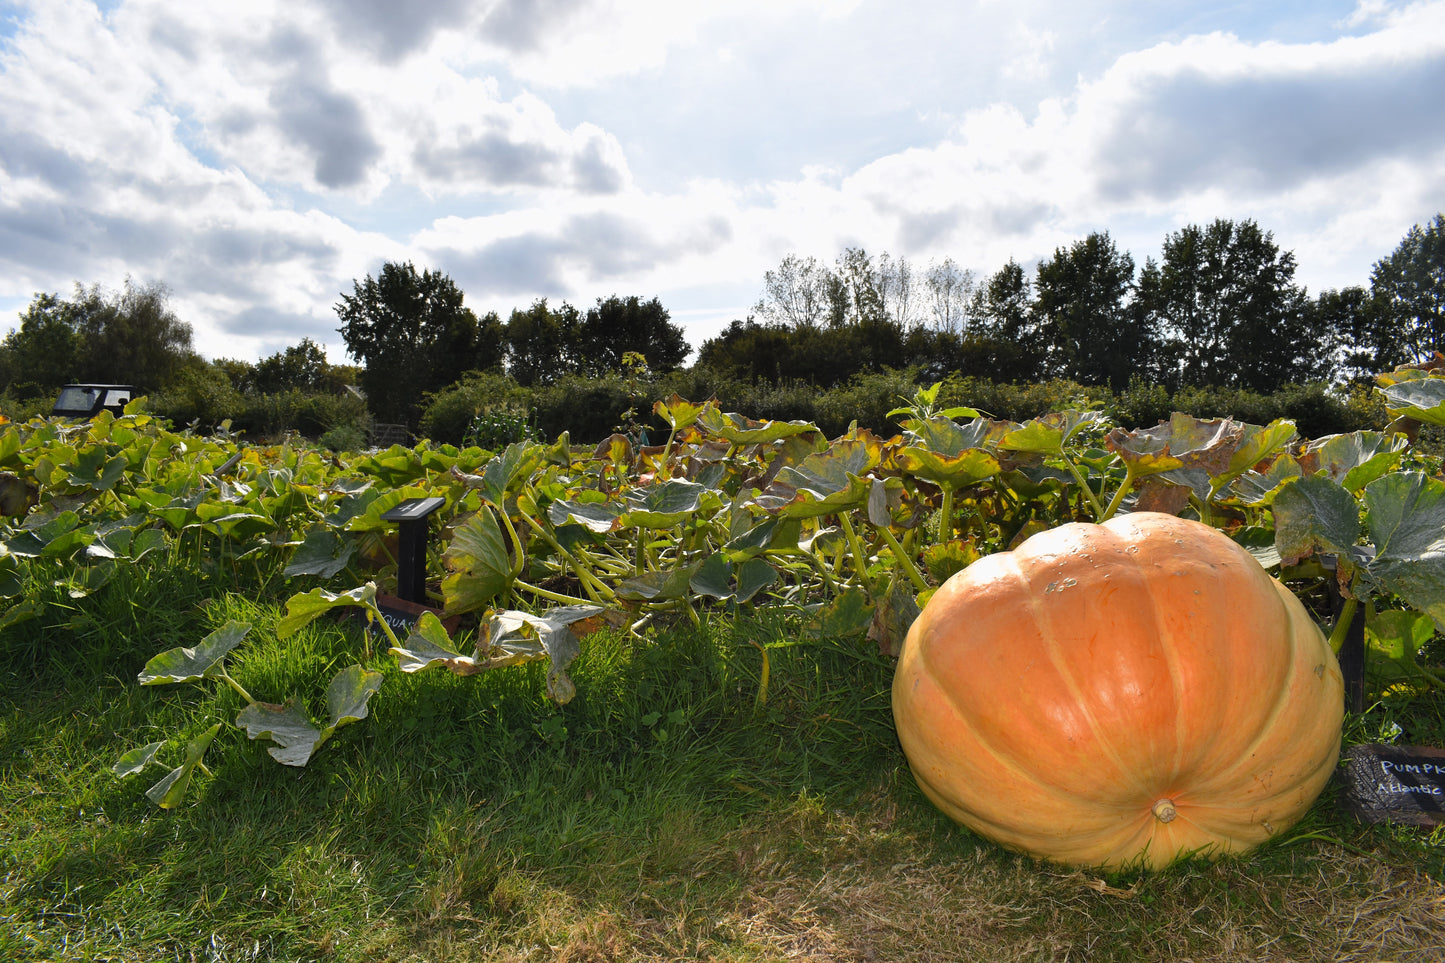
(542, 344)
(44, 353)
(413, 334)
(795, 294)
(1006, 346)
(1366, 338)
(302, 366)
(619, 325)
(948, 290)
(1082, 303)
(127, 337)
(1224, 296)
(131, 337)
(1408, 288)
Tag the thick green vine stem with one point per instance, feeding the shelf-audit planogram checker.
(1094, 504)
(904, 562)
(1125, 487)
(860, 557)
(1342, 624)
(225, 677)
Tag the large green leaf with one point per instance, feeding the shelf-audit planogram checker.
(183, 664)
(1406, 517)
(303, 609)
(826, 482)
(428, 644)
(1395, 637)
(1354, 460)
(678, 413)
(1183, 443)
(296, 737)
(513, 637)
(745, 431)
(324, 553)
(1315, 514)
(1422, 399)
(596, 514)
(663, 505)
(1049, 434)
(286, 725)
(951, 469)
(480, 567)
(98, 467)
(136, 759)
(504, 471)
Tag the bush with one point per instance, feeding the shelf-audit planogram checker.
(449, 414)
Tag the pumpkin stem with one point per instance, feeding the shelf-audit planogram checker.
(1164, 810)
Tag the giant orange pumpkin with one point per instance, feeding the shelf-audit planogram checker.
(1119, 694)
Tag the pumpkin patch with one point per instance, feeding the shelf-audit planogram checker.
(1120, 694)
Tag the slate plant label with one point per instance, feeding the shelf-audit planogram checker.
(1399, 784)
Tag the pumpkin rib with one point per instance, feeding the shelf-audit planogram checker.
(1052, 643)
(1002, 759)
(1286, 699)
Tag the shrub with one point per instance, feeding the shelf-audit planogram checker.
(451, 412)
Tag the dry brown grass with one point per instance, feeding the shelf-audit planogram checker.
(857, 888)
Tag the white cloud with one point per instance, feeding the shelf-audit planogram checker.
(257, 157)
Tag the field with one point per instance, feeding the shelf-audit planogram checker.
(726, 783)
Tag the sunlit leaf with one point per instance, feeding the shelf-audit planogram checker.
(826, 482)
(303, 609)
(1422, 399)
(1354, 460)
(183, 664)
(296, 737)
(481, 568)
(663, 505)
(678, 413)
(169, 792)
(596, 516)
(518, 636)
(136, 759)
(1315, 514)
(504, 470)
(740, 430)
(1183, 442)
(1395, 637)
(946, 559)
(1406, 518)
(428, 644)
(1049, 434)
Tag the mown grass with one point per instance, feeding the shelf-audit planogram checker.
(662, 815)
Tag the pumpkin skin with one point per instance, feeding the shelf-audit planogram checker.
(1119, 695)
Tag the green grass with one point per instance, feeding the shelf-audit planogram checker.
(661, 815)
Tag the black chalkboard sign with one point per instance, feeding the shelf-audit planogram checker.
(403, 615)
(1398, 784)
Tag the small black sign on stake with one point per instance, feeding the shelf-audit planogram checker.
(1397, 784)
(411, 545)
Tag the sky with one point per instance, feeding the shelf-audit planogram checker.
(258, 158)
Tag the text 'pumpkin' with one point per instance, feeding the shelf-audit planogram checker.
(1119, 694)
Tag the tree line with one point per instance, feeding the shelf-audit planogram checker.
(1219, 308)
(413, 335)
